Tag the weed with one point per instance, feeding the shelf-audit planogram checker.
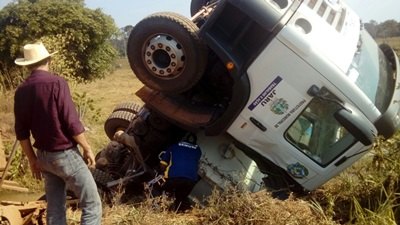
(380, 213)
(86, 106)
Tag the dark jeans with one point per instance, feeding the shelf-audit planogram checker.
(180, 187)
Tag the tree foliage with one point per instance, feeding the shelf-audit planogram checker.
(81, 35)
(120, 39)
(389, 28)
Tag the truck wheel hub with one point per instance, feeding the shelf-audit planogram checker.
(164, 56)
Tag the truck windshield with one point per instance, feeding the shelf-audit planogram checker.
(316, 132)
(371, 72)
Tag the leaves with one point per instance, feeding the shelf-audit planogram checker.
(389, 28)
(81, 35)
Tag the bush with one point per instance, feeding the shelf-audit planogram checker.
(81, 36)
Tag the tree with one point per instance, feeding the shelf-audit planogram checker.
(372, 28)
(389, 28)
(81, 35)
(120, 39)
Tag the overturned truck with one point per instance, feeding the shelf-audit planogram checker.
(282, 94)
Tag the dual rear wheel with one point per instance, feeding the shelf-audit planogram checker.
(166, 53)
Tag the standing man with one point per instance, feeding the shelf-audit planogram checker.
(180, 164)
(44, 108)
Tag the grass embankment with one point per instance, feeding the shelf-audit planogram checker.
(365, 194)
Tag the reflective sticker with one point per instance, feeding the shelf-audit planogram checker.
(297, 170)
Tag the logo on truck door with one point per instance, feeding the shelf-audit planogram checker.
(281, 99)
(279, 106)
(297, 170)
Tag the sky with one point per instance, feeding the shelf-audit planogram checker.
(129, 12)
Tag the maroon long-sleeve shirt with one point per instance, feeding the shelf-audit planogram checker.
(44, 108)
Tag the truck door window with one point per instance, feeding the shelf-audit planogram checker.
(317, 134)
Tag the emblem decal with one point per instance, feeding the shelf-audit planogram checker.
(297, 170)
(279, 106)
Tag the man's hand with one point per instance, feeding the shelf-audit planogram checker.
(89, 158)
(35, 168)
(87, 151)
(118, 135)
(33, 162)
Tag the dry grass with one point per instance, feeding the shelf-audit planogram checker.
(228, 208)
(236, 207)
(7, 116)
(392, 41)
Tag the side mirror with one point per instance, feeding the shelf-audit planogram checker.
(348, 119)
(356, 126)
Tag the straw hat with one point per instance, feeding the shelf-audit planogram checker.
(33, 53)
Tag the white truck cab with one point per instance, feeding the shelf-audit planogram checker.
(282, 93)
(323, 46)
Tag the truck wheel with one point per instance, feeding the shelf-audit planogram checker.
(102, 178)
(98, 155)
(166, 53)
(117, 120)
(128, 107)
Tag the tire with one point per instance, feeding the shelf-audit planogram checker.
(388, 52)
(101, 178)
(117, 120)
(128, 107)
(166, 53)
(98, 155)
(196, 5)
